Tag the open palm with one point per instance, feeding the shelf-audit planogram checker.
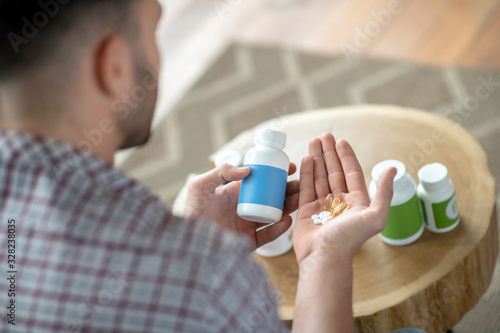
(332, 167)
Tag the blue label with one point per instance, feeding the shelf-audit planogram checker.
(265, 185)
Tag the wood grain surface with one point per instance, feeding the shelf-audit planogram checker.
(432, 283)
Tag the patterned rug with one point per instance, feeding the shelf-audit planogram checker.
(250, 84)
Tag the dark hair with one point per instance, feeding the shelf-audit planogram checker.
(34, 33)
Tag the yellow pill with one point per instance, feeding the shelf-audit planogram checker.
(328, 202)
(340, 208)
(335, 203)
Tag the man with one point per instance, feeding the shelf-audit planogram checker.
(90, 250)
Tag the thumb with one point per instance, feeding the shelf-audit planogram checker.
(376, 214)
(225, 173)
(273, 231)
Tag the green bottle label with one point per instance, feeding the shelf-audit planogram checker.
(404, 220)
(446, 212)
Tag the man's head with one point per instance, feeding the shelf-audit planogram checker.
(101, 54)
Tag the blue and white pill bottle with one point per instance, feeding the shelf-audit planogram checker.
(262, 192)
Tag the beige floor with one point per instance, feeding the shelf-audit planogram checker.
(446, 32)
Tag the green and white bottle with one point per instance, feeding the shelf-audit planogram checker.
(404, 223)
(438, 198)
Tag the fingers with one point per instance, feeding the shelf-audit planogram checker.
(334, 169)
(220, 175)
(272, 232)
(376, 214)
(307, 192)
(291, 204)
(292, 188)
(320, 175)
(292, 169)
(354, 177)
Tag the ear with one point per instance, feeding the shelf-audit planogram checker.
(114, 66)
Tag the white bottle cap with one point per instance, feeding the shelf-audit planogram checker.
(271, 138)
(382, 166)
(433, 177)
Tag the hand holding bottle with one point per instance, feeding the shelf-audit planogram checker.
(207, 200)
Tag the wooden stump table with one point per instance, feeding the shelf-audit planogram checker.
(433, 282)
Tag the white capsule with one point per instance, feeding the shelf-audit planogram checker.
(315, 217)
(325, 214)
(318, 221)
(325, 220)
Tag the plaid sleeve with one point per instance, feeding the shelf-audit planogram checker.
(99, 253)
(241, 299)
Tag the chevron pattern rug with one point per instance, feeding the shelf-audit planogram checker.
(250, 84)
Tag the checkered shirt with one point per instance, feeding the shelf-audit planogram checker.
(97, 252)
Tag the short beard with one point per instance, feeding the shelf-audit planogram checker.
(136, 126)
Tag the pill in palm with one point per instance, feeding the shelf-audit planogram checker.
(325, 214)
(328, 202)
(327, 219)
(333, 207)
(340, 208)
(316, 219)
(335, 203)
